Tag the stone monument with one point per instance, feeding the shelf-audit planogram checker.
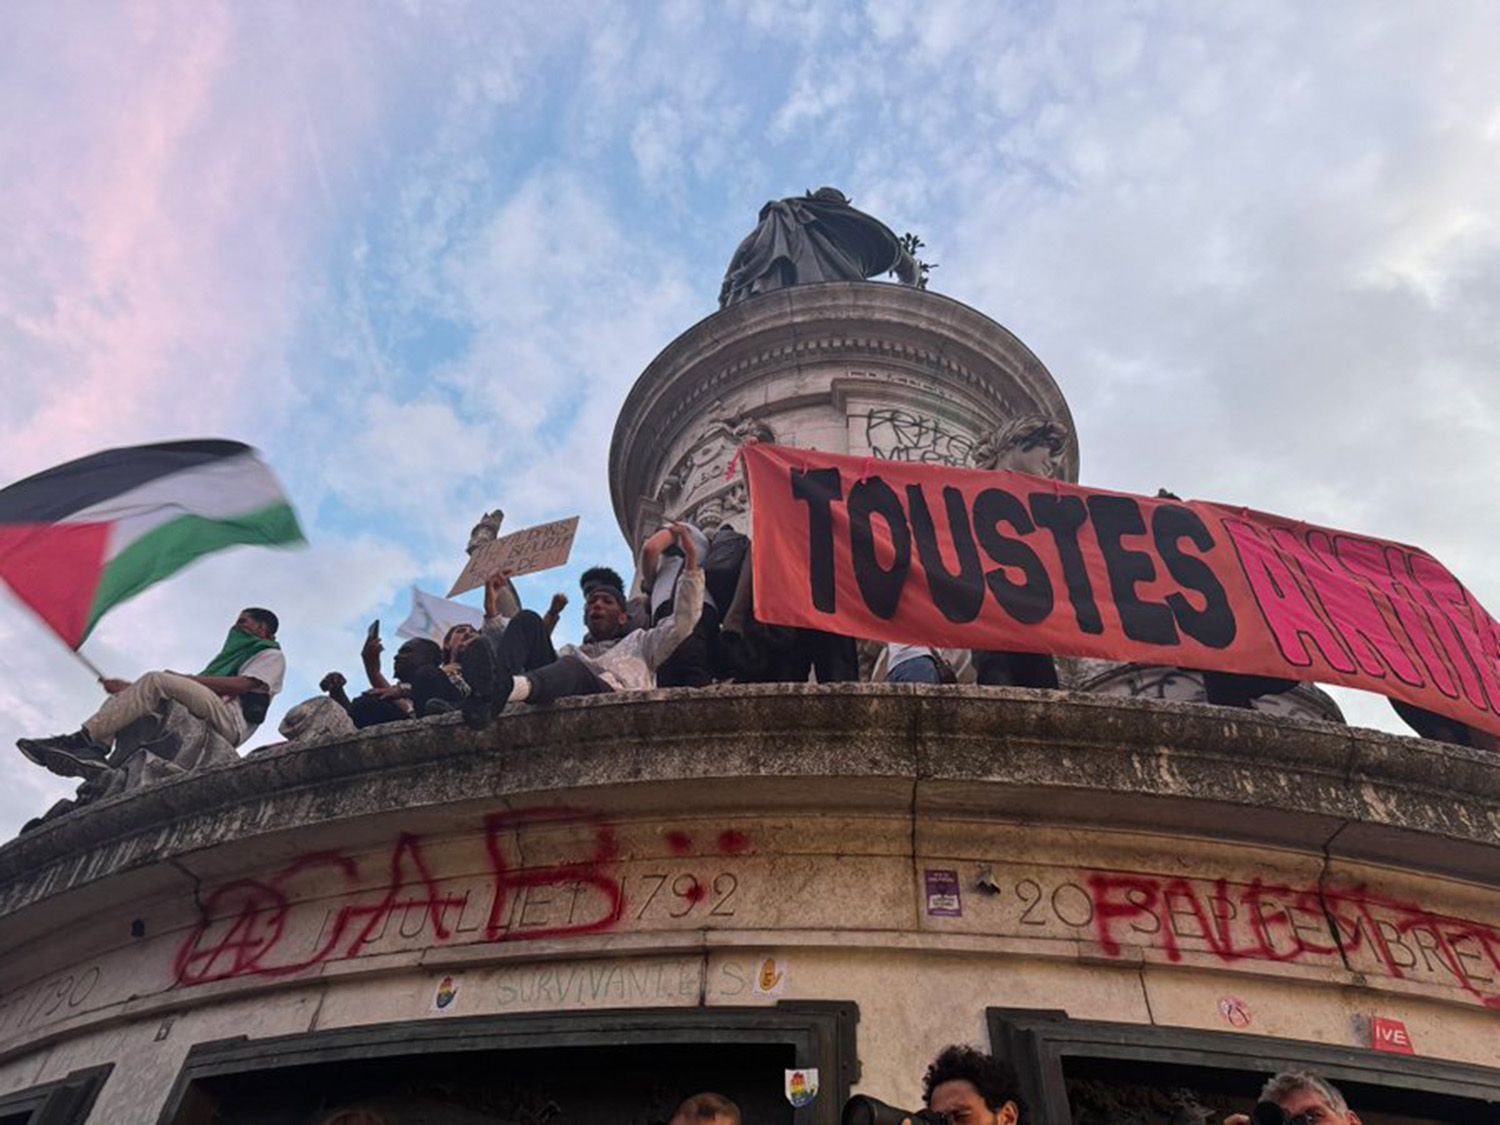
(594, 909)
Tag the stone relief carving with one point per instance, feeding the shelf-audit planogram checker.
(1028, 443)
(695, 487)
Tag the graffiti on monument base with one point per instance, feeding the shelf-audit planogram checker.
(270, 926)
(1122, 914)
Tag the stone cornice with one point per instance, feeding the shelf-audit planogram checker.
(985, 753)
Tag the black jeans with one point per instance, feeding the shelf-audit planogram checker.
(524, 645)
(693, 661)
(1015, 669)
(565, 676)
(1230, 689)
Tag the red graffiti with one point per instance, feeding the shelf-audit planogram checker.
(584, 873)
(1275, 922)
(680, 843)
(733, 842)
(243, 925)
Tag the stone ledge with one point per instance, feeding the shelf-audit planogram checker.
(1046, 757)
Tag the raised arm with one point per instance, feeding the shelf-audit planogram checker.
(663, 638)
(500, 597)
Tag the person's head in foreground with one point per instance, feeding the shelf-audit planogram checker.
(707, 1109)
(973, 1088)
(1307, 1099)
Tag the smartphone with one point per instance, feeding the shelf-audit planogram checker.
(374, 630)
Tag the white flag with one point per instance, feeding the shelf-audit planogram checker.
(432, 616)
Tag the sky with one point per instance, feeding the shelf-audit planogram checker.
(417, 253)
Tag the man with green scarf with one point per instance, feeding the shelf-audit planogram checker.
(231, 696)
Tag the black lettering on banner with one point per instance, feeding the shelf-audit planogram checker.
(1027, 602)
(1062, 516)
(880, 587)
(820, 488)
(1214, 624)
(1114, 518)
(959, 597)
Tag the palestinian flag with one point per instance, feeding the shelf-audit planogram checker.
(77, 540)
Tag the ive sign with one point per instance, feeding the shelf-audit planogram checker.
(959, 558)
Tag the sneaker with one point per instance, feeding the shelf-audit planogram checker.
(479, 664)
(490, 683)
(67, 755)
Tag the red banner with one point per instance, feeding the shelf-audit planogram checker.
(958, 558)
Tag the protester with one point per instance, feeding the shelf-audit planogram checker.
(614, 657)
(502, 601)
(974, 1088)
(694, 661)
(1440, 728)
(707, 1109)
(1305, 1098)
(1015, 669)
(421, 684)
(231, 696)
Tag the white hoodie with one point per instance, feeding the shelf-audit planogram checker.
(629, 663)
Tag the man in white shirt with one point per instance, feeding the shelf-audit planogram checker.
(613, 658)
(230, 696)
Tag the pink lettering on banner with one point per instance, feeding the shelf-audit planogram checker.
(1302, 635)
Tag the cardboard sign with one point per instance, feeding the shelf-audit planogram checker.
(521, 552)
(959, 558)
(1390, 1036)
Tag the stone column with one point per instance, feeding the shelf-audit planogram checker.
(863, 368)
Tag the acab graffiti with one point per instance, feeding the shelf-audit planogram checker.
(252, 926)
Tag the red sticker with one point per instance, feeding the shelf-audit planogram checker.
(1235, 1011)
(1390, 1036)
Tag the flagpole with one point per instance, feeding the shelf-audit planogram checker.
(87, 663)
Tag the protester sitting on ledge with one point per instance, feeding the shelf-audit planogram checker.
(1440, 728)
(231, 696)
(612, 658)
(421, 683)
(692, 664)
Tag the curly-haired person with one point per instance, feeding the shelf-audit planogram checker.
(973, 1088)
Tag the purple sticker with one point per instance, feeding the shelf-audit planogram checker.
(943, 899)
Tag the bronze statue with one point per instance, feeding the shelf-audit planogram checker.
(816, 237)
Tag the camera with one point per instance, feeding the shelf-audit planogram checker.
(860, 1110)
(1269, 1113)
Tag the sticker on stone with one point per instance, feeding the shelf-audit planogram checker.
(445, 994)
(1390, 1036)
(1235, 1011)
(802, 1086)
(944, 899)
(770, 978)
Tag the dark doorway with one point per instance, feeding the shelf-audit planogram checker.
(595, 1068)
(628, 1085)
(1088, 1072)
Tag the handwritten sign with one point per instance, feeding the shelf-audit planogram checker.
(521, 552)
